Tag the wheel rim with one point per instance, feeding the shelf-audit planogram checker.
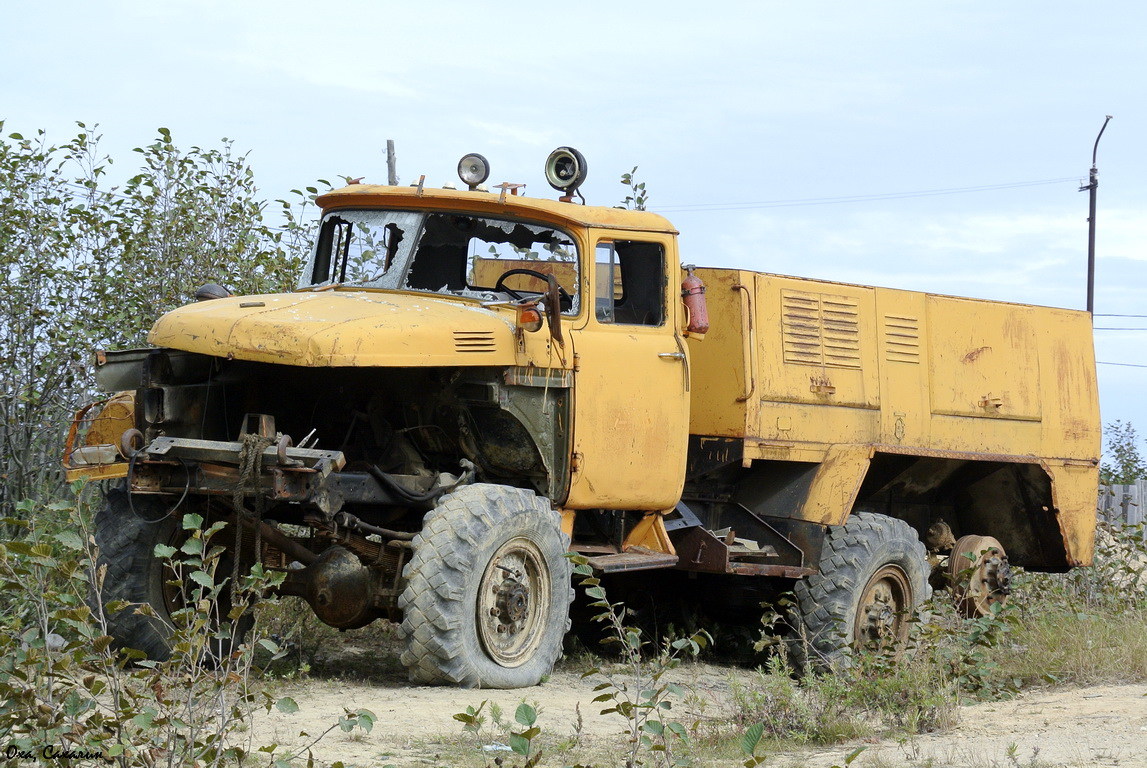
(883, 612)
(513, 602)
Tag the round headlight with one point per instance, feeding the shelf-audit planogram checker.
(473, 170)
(565, 169)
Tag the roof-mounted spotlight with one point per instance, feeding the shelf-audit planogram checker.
(473, 169)
(565, 171)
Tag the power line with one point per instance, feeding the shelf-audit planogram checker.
(1104, 328)
(1100, 314)
(861, 198)
(1123, 365)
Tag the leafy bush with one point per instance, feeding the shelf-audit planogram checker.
(89, 266)
(64, 686)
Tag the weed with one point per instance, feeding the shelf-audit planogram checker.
(59, 665)
(639, 692)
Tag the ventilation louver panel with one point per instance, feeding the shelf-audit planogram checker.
(902, 339)
(473, 341)
(820, 329)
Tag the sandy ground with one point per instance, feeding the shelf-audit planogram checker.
(1100, 726)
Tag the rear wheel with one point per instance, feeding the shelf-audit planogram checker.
(873, 575)
(487, 595)
(980, 575)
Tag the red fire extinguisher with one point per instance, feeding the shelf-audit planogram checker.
(693, 295)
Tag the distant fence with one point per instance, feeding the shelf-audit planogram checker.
(1123, 504)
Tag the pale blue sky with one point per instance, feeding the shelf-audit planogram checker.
(718, 103)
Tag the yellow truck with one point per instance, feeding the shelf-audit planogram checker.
(468, 384)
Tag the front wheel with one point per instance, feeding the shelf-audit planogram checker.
(487, 595)
(873, 575)
(127, 532)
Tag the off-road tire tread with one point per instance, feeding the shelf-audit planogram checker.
(126, 541)
(126, 544)
(439, 646)
(851, 554)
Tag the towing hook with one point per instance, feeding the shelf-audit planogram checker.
(131, 443)
(281, 447)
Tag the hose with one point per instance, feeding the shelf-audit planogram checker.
(391, 484)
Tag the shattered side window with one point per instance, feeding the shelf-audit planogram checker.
(495, 259)
(370, 248)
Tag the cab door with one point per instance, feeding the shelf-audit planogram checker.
(631, 408)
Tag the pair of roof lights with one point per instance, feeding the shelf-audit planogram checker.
(565, 170)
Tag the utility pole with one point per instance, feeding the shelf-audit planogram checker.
(1091, 187)
(391, 167)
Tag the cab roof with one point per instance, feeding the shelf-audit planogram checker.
(381, 196)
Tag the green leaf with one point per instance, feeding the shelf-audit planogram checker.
(752, 737)
(202, 578)
(526, 715)
(144, 719)
(519, 744)
(192, 546)
(192, 522)
(287, 704)
(366, 720)
(70, 539)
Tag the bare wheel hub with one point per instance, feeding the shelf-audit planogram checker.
(980, 575)
(882, 614)
(998, 575)
(513, 602)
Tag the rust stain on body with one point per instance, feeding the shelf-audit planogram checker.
(974, 355)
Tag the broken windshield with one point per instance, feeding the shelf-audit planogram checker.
(453, 253)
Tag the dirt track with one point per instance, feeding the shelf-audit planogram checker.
(1101, 726)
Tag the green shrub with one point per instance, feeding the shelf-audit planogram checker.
(64, 686)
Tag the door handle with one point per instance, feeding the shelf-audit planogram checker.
(671, 355)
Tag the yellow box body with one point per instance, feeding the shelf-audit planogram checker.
(823, 372)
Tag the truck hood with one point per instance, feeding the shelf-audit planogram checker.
(342, 328)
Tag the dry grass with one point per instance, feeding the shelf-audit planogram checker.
(1079, 649)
